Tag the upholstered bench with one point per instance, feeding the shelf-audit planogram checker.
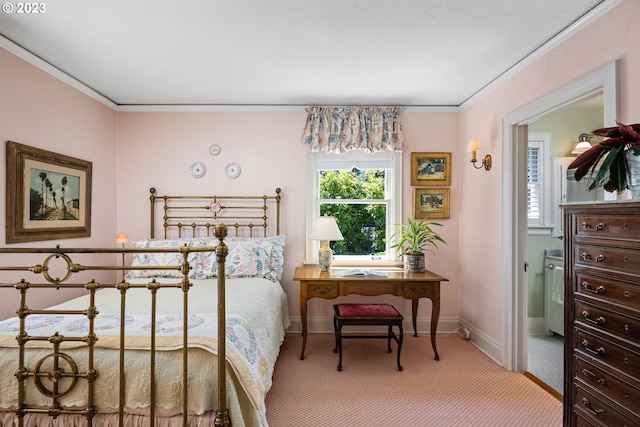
(367, 315)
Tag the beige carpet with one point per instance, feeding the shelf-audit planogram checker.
(463, 388)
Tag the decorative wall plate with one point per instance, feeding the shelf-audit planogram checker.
(232, 170)
(198, 170)
(214, 149)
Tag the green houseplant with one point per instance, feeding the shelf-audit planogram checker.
(413, 238)
(618, 153)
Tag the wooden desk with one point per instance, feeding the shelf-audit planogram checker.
(331, 284)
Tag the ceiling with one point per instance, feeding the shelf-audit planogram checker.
(290, 52)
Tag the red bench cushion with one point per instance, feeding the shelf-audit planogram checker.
(367, 310)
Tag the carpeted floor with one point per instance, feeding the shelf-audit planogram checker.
(463, 388)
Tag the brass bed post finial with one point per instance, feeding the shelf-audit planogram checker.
(278, 197)
(152, 199)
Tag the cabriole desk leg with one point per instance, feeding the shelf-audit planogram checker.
(303, 316)
(435, 315)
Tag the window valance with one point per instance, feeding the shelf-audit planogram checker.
(341, 129)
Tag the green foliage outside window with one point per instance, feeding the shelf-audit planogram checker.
(362, 225)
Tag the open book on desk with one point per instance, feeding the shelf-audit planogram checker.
(362, 272)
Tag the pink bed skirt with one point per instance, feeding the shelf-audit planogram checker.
(9, 419)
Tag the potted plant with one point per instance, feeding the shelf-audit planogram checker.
(621, 154)
(413, 238)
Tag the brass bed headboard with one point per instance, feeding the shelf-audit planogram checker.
(193, 216)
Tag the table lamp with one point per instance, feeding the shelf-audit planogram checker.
(325, 229)
(122, 238)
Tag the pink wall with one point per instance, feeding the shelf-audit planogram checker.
(39, 110)
(134, 151)
(156, 150)
(614, 36)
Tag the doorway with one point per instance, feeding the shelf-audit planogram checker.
(602, 81)
(551, 141)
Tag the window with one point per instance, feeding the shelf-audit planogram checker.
(538, 181)
(363, 192)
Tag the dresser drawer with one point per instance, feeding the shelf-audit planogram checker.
(616, 226)
(608, 321)
(606, 382)
(615, 292)
(592, 407)
(323, 289)
(622, 358)
(609, 258)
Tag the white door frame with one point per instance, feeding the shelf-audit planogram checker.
(603, 81)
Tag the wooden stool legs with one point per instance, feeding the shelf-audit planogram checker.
(367, 315)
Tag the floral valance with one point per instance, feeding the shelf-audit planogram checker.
(340, 129)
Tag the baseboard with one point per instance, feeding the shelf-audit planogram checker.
(536, 326)
(485, 344)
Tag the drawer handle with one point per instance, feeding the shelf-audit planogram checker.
(597, 351)
(587, 287)
(586, 226)
(600, 258)
(588, 373)
(587, 405)
(320, 290)
(597, 321)
(585, 256)
(600, 227)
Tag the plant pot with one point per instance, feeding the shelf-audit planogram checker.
(633, 163)
(414, 263)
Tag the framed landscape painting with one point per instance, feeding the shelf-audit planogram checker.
(431, 203)
(48, 195)
(430, 169)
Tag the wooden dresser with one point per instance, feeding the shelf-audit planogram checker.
(602, 314)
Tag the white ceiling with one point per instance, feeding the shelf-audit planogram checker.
(291, 52)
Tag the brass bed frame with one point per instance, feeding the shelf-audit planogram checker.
(192, 215)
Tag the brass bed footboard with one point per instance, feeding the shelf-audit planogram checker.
(57, 373)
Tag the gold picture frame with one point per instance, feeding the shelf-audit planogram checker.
(48, 195)
(432, 203)
(430, 169)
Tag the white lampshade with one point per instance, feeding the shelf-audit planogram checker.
(122, 238)
(474, 145)
(583, 144)
(326, 228)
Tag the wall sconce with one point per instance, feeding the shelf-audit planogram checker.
(122, 238)
(474, 145)
(325, 229)
(584, 143)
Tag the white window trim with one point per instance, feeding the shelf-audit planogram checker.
(394, 214)
(545, 225)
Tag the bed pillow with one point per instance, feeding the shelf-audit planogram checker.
(252, 257)
(195, 259)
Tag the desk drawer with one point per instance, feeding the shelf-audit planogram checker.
(420, 290)
(323, 289)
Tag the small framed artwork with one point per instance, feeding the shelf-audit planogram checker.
(430, 169)
(48, 195)
(431, 203)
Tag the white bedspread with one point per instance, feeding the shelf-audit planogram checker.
(257, 316)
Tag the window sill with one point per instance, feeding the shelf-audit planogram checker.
(368, 264)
